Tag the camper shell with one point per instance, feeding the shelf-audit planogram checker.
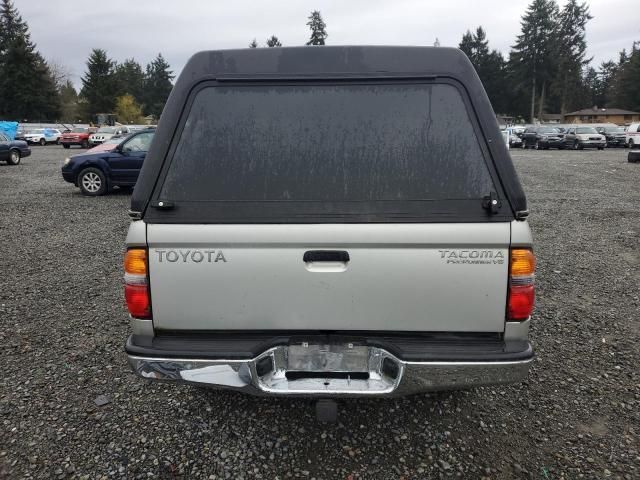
(332, 65)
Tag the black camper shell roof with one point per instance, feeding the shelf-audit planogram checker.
(328, 63)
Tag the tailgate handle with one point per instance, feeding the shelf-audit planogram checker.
(326, 256)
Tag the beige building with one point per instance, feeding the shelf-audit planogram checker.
(602, 115)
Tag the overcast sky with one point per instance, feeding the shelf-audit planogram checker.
(66, 30)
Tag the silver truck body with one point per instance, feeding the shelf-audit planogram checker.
(399, 278)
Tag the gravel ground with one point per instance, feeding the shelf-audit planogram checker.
(63, 326)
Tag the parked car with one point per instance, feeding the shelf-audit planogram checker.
(284, 249)
(542, 138)
(515, 139)
(518, 130)
(632, 135)
(43, 136)
(137, 128)
(614, 136)
(105, 133)
(21, 134)
(77, 136)
(584, 137)
(11, 151)
(111, 164)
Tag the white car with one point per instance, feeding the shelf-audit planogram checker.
(43, 136)
(632, 135)
(106, 133)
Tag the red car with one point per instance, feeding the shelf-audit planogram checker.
(77, 136)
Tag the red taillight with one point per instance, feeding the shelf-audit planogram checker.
(136, 289)
(521, 300)
(138, 301)
(521, 284)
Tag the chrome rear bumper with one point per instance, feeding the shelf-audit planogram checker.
(271, 373)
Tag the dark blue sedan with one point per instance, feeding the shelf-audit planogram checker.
(116, 163)
(11, 151)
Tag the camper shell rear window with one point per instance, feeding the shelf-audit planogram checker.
(303, 152)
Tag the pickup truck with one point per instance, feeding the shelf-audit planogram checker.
(325, 222)
(77, 136)
(106, 133)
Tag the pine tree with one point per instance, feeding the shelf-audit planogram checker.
(69, 100)
(47, 96)
(489, 65)
(623, 58)
(475, 46)
(466, 45)
(253, 44)
(318, 29)
(593, 86)
(157, 86)
(625, 92)
(531, 61)
(481, 44)
(130, 79)
(99, 84)
(494, 75)
(604, 84)
(273, 42)
(12, 26)
(27, 88)
(570, 55)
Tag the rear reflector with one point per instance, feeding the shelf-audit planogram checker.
(136, 289)
(521, 284)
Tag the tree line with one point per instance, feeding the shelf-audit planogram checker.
(32, 89)
(27, 85)
(316, 25)
(546, 71)
(124, 88)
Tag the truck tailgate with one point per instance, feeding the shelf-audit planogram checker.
(398, 277)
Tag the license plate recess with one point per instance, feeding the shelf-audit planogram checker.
(327, 357)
